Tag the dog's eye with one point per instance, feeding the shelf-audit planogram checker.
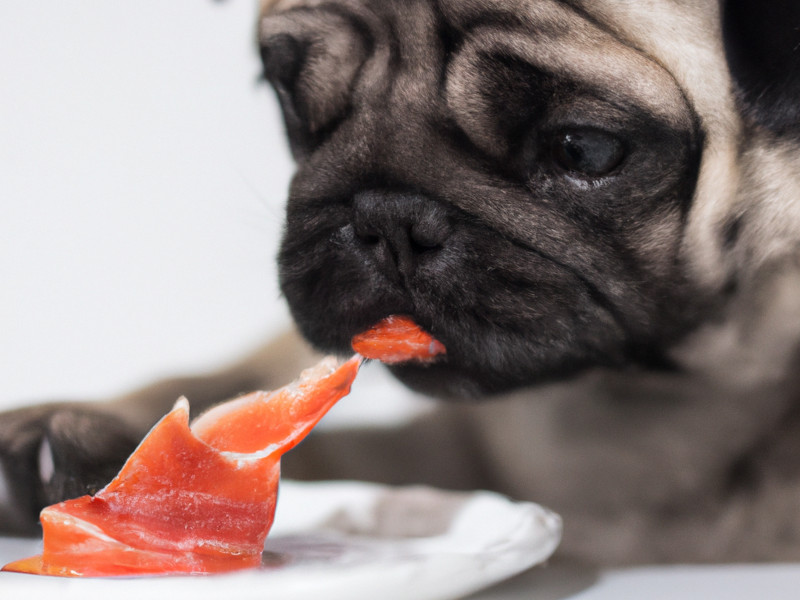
(589, 152)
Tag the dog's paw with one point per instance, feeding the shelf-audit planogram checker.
(49, 453)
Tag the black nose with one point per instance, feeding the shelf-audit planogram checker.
(399, 231)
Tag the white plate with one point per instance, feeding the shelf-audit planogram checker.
(346, 541)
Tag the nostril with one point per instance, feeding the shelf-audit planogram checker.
(370, 239)
(366, 233)
(420, 249)
(423, 243)
(430, 234)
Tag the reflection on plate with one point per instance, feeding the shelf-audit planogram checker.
(348, 540)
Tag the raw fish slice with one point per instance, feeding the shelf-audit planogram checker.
(176, 505)
(397, 339)
(277, 421)
(191, 500)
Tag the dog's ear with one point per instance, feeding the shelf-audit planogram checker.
(311, 58)
(762, 43)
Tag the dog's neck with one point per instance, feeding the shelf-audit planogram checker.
(754, 340)
(770, 201)
(757, 334)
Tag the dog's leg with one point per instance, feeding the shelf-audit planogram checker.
(50, 452)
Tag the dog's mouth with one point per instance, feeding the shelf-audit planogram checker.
(413, 353)
(460, 357)
(502, 327)
(509, 314)
(415, 356)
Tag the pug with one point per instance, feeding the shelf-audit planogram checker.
(595, 206)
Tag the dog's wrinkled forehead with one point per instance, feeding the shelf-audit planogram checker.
(546, 34)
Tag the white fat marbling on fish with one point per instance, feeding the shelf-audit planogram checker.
(69, 521)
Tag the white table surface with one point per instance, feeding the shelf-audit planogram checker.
(681, 582)
(556, 581)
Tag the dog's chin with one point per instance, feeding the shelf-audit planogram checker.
(449, 382)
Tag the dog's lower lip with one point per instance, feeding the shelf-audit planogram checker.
(440, 379)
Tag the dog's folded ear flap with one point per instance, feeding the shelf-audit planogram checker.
(311, 56)
(762, 43)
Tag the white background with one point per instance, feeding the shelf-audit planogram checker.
(143, 177)
(142, 180)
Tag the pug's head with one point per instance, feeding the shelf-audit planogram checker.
(543, 185)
